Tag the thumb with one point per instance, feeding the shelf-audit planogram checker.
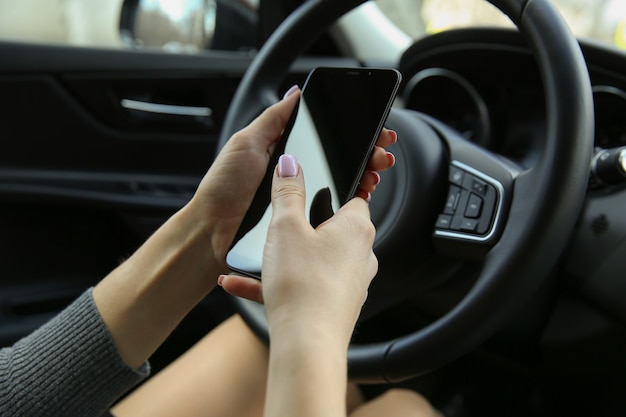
(288, 193)
(244, 287)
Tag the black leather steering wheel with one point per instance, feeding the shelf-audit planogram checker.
(530, 212)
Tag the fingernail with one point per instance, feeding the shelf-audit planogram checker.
(394, 136)
(287, 166)
(391, 158)
(364, 195)
(220, 279)
(376, 177)
(292, 90)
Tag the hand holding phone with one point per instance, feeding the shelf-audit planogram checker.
(332, 132)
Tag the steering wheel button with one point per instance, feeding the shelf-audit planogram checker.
(452, 200)
(479, 187)
(444, 221)
(469, 225)
(475, 185)
(474, 207)
(455, 176)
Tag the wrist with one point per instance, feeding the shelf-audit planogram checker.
(309, 347)
(334, 325)
(192, 242)
(305, 366)
(216, 236)
(306, 334)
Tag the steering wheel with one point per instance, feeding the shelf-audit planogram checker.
(424, 232)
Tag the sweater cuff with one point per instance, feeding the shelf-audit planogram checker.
(70, 366)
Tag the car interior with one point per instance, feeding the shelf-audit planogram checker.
(501, 233)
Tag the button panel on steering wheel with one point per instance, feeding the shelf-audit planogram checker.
(472, 205)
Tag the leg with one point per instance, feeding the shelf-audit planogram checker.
(222, 375)
(225, 374)
(397, 403)
(354, 398)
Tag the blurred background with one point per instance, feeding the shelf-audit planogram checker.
(187, 25)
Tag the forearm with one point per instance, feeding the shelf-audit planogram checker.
(146, 297)
(307, 375)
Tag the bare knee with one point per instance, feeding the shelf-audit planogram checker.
(397, 402)
(412, 403)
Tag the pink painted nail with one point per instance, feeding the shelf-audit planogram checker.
(291, 90)
(220, 280)
(287, 166)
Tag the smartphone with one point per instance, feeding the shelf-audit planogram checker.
(332, 132)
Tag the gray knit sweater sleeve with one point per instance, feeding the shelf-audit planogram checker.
(69, 367)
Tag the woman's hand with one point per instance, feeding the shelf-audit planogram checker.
(227, 190)
(322, 273)
(315, 278)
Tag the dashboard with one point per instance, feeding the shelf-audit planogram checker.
(485, 84)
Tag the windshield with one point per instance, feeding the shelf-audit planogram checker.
(600, 20)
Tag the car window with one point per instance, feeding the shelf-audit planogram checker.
(601, 20)
(174, 25)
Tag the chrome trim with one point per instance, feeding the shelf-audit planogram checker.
(621, 161)
(170, 109)
(608, 89)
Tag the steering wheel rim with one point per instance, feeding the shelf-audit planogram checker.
(541, 203)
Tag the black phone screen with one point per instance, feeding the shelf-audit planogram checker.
(331, 132)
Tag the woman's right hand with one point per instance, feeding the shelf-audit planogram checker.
(311, 277)
(315, 277)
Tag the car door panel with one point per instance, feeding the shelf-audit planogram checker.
(84, 180)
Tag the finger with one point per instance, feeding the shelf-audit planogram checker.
(369, 181)
(265, 130)
(288, 193)
(365, 195)
(380, 160)
(358, 213)
(357, 207)
(244, 287)
(387, 137)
